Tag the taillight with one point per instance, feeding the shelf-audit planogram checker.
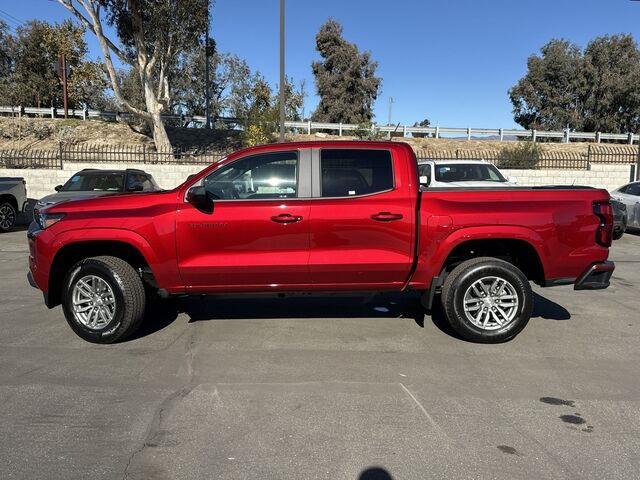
(604, 234)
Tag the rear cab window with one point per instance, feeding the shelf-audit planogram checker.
(352, 172)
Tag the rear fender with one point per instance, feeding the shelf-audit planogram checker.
(436, 248)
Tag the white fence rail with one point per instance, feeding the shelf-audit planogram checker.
(309, 127)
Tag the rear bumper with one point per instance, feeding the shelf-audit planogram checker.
(596, 277)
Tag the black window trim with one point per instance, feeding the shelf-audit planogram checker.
(299, 152)
(317, 173)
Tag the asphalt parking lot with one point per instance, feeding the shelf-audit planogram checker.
(331, 388)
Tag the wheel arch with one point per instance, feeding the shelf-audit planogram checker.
(71, 253)
(519, 252)
(7, 197)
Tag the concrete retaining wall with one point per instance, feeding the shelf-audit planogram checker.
(600, 175)
(40, 182)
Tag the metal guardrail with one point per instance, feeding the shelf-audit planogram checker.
(309, 127)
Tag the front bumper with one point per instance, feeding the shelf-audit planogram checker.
(596, 277)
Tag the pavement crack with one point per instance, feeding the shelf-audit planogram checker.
(155, 426)
(168, 404)
(426, 414)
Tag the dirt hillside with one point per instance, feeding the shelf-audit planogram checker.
(46, 134)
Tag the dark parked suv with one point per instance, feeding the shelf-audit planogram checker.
(91, 182)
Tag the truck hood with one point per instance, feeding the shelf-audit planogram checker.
(110, 201)
(60, 197)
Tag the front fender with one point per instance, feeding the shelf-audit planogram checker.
(163, 264)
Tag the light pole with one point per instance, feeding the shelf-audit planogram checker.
(282, 75)
(207, 98)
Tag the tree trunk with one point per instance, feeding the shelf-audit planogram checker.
(160, 137)
(154, 107)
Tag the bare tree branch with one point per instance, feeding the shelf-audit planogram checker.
(93, 10)
(68, 4)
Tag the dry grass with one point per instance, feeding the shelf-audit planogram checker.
(46, 134)
(490, 146)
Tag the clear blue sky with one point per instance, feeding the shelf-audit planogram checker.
(450, 61)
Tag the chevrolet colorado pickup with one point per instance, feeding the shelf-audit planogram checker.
(318, 217)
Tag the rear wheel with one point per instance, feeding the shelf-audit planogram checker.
(8, 216)
(103, 299)
(487, 300)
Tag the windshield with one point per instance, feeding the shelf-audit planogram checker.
(468, 172)
(95, 182)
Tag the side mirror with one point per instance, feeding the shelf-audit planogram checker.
(197, 196)
(57, 188)
(136, 187)
(513, 180)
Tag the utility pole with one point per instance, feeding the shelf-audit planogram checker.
(63, 73)
(638, 163)
(207, 52)
(282, 74)
(390, 105)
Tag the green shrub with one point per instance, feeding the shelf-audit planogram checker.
(41, 131)
(5, 134)
(66, 135)
(257, 134)
(366, 131)
(525, 155)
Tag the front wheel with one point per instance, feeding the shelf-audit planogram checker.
(103, 299)
(487, 300)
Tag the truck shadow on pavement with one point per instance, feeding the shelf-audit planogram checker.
(161, 314)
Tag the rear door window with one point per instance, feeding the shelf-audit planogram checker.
(350, 172)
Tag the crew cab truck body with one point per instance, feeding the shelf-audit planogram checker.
(318, 217)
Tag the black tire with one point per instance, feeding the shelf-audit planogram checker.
(128, 291)
(8, 217)
(463, 277)
(617, 234)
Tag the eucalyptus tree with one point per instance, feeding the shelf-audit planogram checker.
(148, 37)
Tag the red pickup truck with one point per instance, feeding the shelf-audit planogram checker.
(318, 217)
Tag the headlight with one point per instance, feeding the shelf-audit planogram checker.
(45, 220)
(40, 204)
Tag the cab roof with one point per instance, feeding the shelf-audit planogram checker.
(371, 145)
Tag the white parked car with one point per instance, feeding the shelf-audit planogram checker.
(460, 173)
(13, 200)
(629, 194)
